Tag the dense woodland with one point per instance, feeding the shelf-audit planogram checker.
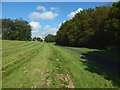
(18, 29)
(94, 28)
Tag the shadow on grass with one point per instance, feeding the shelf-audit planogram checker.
(103, 62)
(109, 69)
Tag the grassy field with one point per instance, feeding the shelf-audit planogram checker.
(28, 64)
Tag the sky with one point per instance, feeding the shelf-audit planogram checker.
(45, 17)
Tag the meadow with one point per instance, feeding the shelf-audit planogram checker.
(31, 64)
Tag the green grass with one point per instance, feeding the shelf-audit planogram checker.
(86, 49)
(28, 64)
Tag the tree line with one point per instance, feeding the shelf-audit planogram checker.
(94, 28)
(17, 29)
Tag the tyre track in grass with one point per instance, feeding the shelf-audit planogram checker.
(7, 53)
(16, 53)
(63, 77)
(20, 60)
(14, 44)
(34, 73)
(42, 60)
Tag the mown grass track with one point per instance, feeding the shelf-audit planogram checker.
(44, 65)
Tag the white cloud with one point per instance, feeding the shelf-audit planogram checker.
(49, 30)
(35, 28)
(72, 14)
(35, 25)
(42, 8)
(54, 9)
(48, 15)
(34, 15)
(36, 32)
(44, 15)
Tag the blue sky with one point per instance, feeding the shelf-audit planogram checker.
(45, 17)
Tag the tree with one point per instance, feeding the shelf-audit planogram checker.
(18, 29)
(7, 29)
(94, 28)
(37, 39)
(50, 38)
(112, 25)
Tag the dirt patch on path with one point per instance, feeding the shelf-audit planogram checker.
(65, 81)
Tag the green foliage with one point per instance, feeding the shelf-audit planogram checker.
(37, 39)
(95, 28)
(50, 38)
(112, 25)
(16, 29)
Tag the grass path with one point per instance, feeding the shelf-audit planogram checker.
(43, 65)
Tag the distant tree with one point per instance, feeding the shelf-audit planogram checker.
(34, 39)
(50, 38)
(0, 26)
(37, 39)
